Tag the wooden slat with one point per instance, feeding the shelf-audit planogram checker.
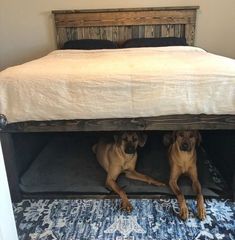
(173, 122)
(135, 31)
(124, 18)
(165, 31)
(126, 9)
(121, 34)
(172, 30)
(92, 32)
(149, 31)
(189, 33)
(61, 37)
(115, 34)
(177, 30)
(141, 31)
(80, 33)
(158, 31)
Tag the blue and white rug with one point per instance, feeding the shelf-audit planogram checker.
(102, 219)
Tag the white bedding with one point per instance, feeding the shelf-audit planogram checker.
(118, 83)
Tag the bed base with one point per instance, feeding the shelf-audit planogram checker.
(163, 123)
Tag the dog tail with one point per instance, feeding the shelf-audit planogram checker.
(94, 148)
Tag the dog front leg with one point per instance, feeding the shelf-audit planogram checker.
(141, 177)
(200, 200)
(180, 197)
(125, 205)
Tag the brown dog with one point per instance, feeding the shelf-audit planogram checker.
(120, 157)
(183, 157)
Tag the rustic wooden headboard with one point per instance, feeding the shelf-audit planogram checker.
(119, 25)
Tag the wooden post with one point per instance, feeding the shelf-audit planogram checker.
(10, 164)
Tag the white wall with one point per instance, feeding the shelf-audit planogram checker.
(7, 223)
(27, 30)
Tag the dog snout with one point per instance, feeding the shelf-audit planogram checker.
(185, 146)
(130, 149)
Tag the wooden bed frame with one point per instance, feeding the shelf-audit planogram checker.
(117, 25)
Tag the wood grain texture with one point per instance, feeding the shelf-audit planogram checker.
(173, 122)
(126, 9)
(10, 164)
(119, 25)
(124, 18)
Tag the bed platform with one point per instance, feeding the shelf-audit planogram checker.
(24, 143)
(174, 122)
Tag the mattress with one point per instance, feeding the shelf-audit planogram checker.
(118, 83)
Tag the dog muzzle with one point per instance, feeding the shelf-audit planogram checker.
(185, 147)
(130, 149)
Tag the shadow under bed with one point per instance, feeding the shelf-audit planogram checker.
(67, 164)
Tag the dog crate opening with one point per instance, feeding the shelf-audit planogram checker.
(65, 163)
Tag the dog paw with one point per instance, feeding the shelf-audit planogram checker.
(157, 183)
(126, 206)
(161, 184)
(201, 213)
(184, 213)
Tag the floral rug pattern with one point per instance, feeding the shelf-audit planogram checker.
(102, 219)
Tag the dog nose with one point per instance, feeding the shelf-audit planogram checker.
(184, 146)
(129, 149)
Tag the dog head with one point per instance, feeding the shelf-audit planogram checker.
(186, 140)
(129, 141)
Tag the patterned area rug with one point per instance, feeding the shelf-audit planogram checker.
(102, 219)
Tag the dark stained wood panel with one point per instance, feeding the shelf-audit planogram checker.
(8, 151)
(130, 18)
(126, 9)
(172, 122)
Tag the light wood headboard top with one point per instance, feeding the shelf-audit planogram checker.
(122, 24)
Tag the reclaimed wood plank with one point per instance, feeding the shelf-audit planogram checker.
(135, 31)
(189, 33)
(126, 9)
(172, 122)
(149, 31)
(123, 18)
(141, 31)
(158, 31)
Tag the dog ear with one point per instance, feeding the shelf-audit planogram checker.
(167, 139)
(198, 138)
(117, 138)
(142, 138)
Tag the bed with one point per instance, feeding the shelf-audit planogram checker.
(120, 25)
(138, 82)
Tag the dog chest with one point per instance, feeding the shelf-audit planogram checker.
(183, 160)
(128, 163)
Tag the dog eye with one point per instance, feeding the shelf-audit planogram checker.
(181, 134)
(125, 139)
(191, 135)
(134, 139)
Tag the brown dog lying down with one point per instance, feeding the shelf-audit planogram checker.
(120, 157)
(183, 157)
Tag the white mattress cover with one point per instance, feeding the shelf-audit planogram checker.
(118, 83)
